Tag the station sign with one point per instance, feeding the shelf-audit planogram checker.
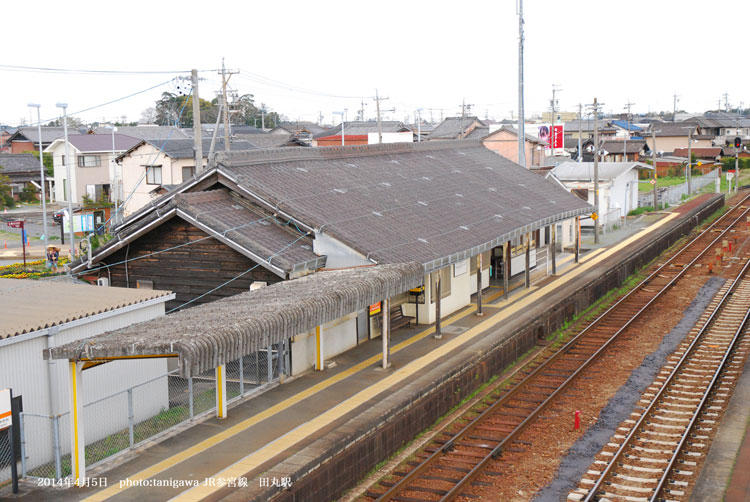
(6, 417)
(15, 224)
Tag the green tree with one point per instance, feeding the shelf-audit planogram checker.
(6, 199)
(170, 105)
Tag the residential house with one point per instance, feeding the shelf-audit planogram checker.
(625, 129)
(723, 127)
(713, 153)
(673, 135)
(151, 167)
(585, 129)
(455, 128)
(618, 186)
(26, 139)
(615, 151)
(365, 133)
(23, 170)
(93, 170)
(504, 141)
(258, 217)
(46, 313)
(5, 133)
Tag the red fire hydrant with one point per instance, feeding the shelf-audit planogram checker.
(577, 421)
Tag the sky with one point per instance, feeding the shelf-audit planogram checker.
(302, 59)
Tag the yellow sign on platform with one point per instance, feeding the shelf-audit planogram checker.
(594, 216)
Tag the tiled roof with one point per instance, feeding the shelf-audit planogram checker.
(102, 142)
(146, 132)
(250, 321)
(712, 152)
(263, 238)
(41, 304)
(184, 148)
(428, 202)
(49, 134)
(634, 146)
(587, 126)
(673, 129)
(362, 128)
(19, 163)
(452, 127)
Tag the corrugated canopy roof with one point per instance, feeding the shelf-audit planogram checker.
(225, 330)
(30, 305)
(584, 171)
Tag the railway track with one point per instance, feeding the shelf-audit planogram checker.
(655, 454)
(451, 464)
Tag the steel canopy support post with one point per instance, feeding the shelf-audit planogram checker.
(319, 350)
(553, 247)
(386, 334)
(438, 326)
(77, 442)
(527, 281)
(479, 285)
(221, 391)
(506, 269)
(578, 237)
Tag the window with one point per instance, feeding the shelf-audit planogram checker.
(445, 282)
(187, 172)
(153, 175)
(89, 161)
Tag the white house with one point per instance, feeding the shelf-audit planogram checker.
(618, 186)
(150, 167)
(93, 169)
(46, 313)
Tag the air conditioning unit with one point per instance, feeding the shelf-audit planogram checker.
(257, 285)
(102, 281)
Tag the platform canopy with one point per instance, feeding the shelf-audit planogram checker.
(215, 333)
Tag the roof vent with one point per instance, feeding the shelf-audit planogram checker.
(492, 189)
(339, 190)
(456, 171)
(236, 206)
(422, 240)
(429, 156)
(522, 185)
(426, 178)
(395, 162)
(499, 216)
(376, 213)
(352, 165)
(264, 222)
(459, 195)
(421, 202)
(463, 227)
(386, 184)
(527, 207)
(490, 168)
(306, 246)
(302, 169)
(461, 153)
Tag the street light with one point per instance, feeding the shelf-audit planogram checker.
(71, 233)
(343, 123)
(44, 179)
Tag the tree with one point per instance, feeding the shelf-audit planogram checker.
(148, 116)
(73, 122)
(6, 199)
(170, 105)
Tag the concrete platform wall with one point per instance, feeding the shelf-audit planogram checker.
(359, 445)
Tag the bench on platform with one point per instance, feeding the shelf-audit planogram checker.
(398, 319)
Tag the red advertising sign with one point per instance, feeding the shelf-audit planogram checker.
(552, 135)
(15, 224)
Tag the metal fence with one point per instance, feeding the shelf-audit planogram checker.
(675, 194)
(129, 418)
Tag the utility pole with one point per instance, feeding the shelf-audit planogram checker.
(627, 132)
(555, 88)
(42, 174)
(225, 76)
(656, 171)
(580, 133)
(320, 118)
(362, 111)
(378, 99)
(197, 130)
(726, 102)
(690, 160)
(464, 107)
(674, 108)
(419, 125)
(521, 119)
(596, 170)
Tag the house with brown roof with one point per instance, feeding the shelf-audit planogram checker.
(22, 169)
(364, 133)
(622, 151)
(504, 141)
(455, 128)
(673, 135)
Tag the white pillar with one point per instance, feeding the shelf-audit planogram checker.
(320, 359)
(77, 442)
(221, 391)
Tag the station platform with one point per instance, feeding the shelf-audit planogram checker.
(287, 432)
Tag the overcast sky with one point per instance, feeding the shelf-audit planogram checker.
(420, 54)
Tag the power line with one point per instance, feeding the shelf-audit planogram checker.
(42, 69)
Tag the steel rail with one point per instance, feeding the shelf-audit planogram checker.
(678, 367)
(401, 485)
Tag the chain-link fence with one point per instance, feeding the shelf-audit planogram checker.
(129, 418)
(676, 193)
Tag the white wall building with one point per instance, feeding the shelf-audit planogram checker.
(46, 314)
(618, 186)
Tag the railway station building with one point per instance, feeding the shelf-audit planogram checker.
(259, 217)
